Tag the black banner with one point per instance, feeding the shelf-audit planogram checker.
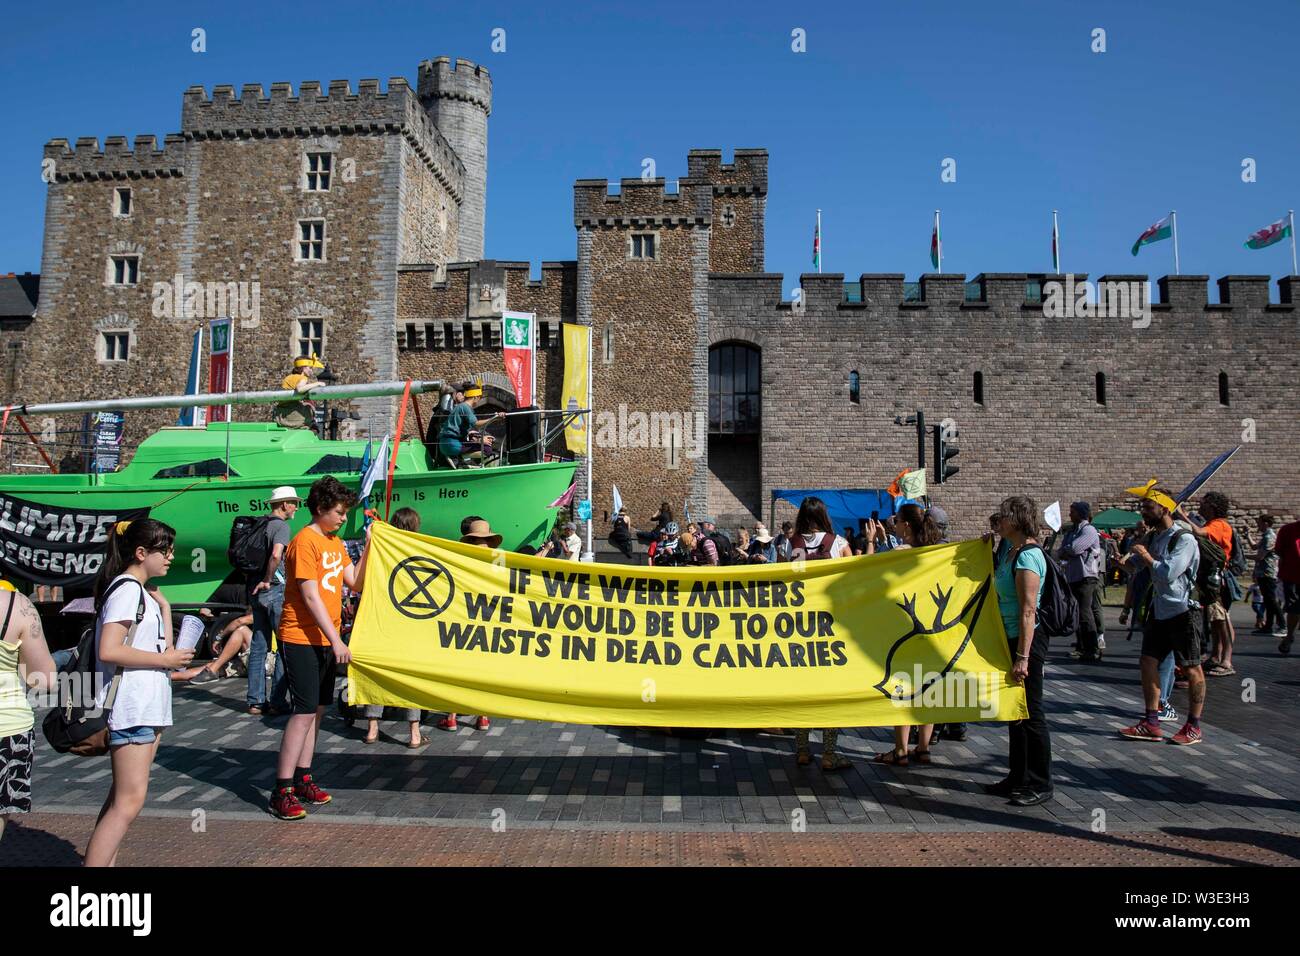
(46, 544)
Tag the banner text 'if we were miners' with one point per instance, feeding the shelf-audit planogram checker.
(911, 636)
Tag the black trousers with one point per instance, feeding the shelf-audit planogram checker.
(1274, 618)
(1084, 592)
(1031, 744)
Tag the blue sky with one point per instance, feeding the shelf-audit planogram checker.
(858, 125)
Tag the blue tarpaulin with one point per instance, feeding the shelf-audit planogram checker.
(846, 506)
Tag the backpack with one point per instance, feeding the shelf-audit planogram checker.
(1058, 611)
(1237, 563)
(248, 551)
(1209, 576)
(799, 548)
(675, 557)
(723, 544)
(75, 725)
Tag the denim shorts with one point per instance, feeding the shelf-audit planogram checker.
(132, 735)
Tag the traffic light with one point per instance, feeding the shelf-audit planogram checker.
(944, 451)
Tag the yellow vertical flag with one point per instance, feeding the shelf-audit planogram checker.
(577, 352)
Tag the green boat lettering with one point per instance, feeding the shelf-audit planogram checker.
(453, 492)
(227, 507)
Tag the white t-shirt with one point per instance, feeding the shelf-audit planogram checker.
(574, 544)
(144, 697)
(839, 547)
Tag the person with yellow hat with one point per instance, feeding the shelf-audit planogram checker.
(454, 439)
(1171, 616)
(302, 380)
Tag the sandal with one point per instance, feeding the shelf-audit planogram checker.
(448, 723)
(371, 740)
(921, 756)
(803, 758)
(833, 762)
(1220, 671)
(417, 744)
(891, 757)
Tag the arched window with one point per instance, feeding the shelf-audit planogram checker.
(979, 388)
(855, 393)
(734, 389)
(1223, 388)
(1101, 388)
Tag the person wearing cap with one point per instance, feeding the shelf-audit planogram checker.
(1171, 620)
(706, 547)
(478, 533)
(266, 598)
(762, 549)
(454, 439)
(572, 542)
(1082, 554)
(300, 413)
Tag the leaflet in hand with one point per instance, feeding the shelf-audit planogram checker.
(191, 633)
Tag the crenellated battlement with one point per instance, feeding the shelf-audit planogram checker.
(338, 110)
(642, 202)
(746, 174)
(117, 160)
(444, 78)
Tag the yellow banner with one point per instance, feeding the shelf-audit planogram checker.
(577, 351)
(906, 637)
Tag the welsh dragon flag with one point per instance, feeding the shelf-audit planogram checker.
(1154, 233)
(934, 244)
(1273, 232)
(817, 244)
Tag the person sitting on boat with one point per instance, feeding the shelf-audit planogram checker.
(454, 439)
(302, 380)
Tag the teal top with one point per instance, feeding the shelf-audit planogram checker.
(1029, 559)
(459, 422)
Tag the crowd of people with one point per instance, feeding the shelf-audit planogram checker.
(1179, 572)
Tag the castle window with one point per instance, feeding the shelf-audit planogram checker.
(311, 240)
(1101, 388)
(123, 270)
(317, 168)
(1223, 388)
(114, 346)
(122, 201)
(311, 337)
(643, 245)
(735, 389)
(979, 388)
(607, 343)
(855, 388)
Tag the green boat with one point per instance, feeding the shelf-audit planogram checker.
(198, 480)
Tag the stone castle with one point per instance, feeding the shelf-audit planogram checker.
(358, 216)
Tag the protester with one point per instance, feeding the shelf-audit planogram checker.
(917, 529)
(660, 521)
(1271, 621)
(740, 548)
(953, 731)
(455, 437)
(762, 549)
(1019, 578)
(620, 536)
(299, 412)
(1081, 553)
(783, 546)
(814, 539)
(1288, 572)
(572, 543)
(316, 567)
(1136, 597)
(707, 550)
(1172, 621)
(128, 609)
(266, 598)
(1214, 509)
(234, 637)
(25, 663)
(671, 551)
(480, 534)
(404, 519)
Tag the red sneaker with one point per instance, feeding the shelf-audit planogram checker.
(1142, 731)
(448, 723)
(1188, 735)
(483, 723)
(285, 805)
(308, 792)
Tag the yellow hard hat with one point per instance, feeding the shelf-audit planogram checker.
(308, 361)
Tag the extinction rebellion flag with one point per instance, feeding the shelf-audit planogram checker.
(1273, 232)
(46, 544)
(1154, 233)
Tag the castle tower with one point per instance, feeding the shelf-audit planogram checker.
(458, 98)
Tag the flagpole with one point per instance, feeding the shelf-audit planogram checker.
(591, 415)
(938, 243)
(1173, 220)
(1290, 215)
(820, 254)
(1056, 242)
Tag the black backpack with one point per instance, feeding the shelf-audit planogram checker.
(1058, 611)
(1209, 574)
(1237, 563)
(723, 544)
(75, 725)
(248, 552)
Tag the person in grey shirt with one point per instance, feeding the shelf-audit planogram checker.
(1172, 619)
(266, 598)
(1083, 556)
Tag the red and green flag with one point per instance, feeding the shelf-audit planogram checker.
(817, 244)
(1154, 233)
(935, 252)
(1273, 232)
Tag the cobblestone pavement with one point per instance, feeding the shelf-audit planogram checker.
(650, 796)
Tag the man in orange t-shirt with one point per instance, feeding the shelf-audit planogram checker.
(316, 569)
(1214, 509)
